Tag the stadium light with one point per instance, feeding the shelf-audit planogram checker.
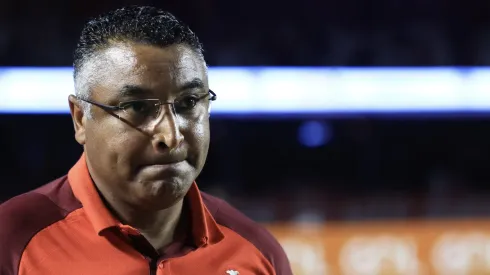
(286, 90)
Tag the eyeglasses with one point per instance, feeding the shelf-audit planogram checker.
(143, 112)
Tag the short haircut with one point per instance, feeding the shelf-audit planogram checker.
(139, 24)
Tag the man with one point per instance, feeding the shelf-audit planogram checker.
(130, 205)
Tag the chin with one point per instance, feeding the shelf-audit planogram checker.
(161, 194)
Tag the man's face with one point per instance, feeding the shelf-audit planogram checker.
(146, 165)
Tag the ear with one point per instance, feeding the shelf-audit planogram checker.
(79, 119)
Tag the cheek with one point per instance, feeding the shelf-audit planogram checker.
(201, 130)
(197, 135)
(124, 144)
(112, 146)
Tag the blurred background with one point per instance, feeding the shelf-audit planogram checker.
(397, 183)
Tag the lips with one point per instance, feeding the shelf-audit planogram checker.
(166, 159)
(171, 165)
(162, 170)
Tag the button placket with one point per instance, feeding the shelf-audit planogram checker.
(163, 268)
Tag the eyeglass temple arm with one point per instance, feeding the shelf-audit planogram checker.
(213, 95)
(113, 108)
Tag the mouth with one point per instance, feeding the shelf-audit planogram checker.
(162, 170)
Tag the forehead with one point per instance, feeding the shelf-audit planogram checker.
(161, 70)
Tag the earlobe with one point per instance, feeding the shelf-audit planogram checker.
(79, 119)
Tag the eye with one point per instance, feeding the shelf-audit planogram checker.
(187, 103)
(137, 107)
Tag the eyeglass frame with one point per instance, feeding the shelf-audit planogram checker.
(213, 97)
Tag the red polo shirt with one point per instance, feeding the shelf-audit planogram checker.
(64, 228)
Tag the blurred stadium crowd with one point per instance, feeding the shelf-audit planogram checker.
(368, 168)
(282, 33)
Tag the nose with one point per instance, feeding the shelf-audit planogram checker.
(166, 131)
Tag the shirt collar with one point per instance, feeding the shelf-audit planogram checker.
(205, 230)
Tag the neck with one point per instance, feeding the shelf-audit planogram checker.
(158, 227)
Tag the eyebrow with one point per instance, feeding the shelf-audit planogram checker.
(195, 83)
(135, 90)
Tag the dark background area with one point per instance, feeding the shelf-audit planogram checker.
(372, 167)
(273, 33)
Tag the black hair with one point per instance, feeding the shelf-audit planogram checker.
(140, 24)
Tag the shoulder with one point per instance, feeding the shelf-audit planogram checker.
(228, 216)
(22, 217)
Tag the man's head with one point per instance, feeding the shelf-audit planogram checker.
(146, 160)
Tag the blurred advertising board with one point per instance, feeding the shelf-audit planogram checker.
(457, 247)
